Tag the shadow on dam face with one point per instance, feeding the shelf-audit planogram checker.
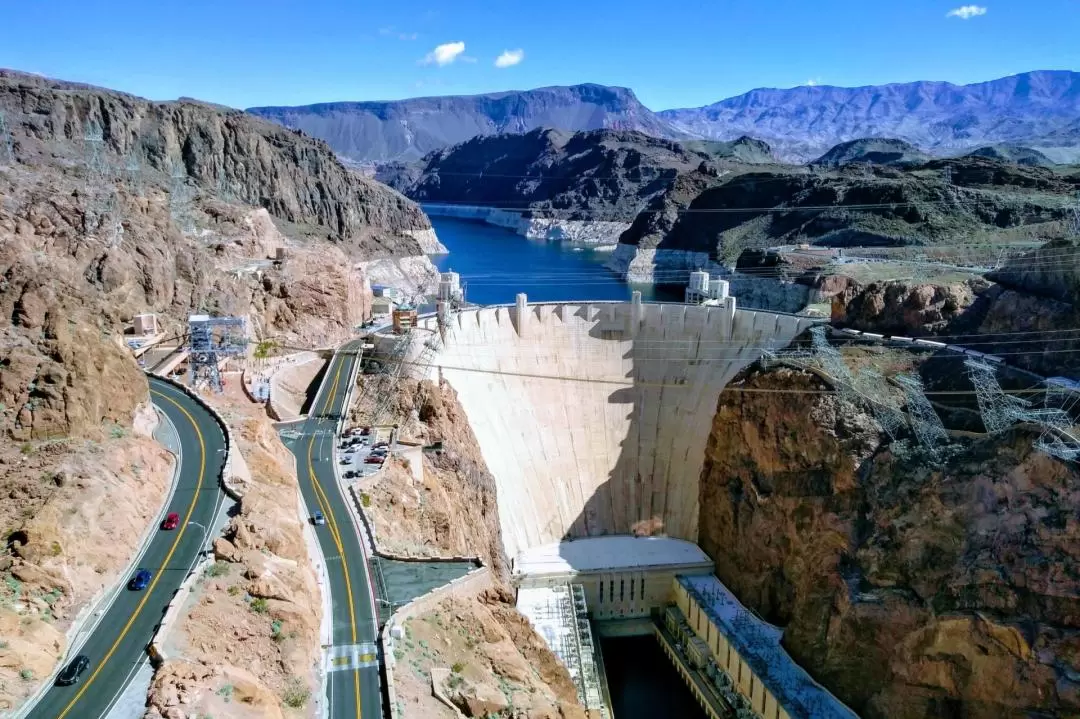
(593, 418)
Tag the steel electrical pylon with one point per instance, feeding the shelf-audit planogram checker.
(180, 200)
(1000, 411)
(210, 341)
(925, 421)
(7, 146)
(99, 195)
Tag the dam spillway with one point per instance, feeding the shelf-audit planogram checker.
(593, 417)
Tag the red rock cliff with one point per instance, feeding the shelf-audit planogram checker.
(908, 591)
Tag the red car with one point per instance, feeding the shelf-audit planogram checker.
(374, 460)
(172, 521)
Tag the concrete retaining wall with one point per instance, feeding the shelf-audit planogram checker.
(273, 403)
(470, 585)
(156, 649)
(232, 488)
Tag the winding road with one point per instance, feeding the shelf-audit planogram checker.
(353, 671)
(117, 646)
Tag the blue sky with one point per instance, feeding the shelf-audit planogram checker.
(674, 53)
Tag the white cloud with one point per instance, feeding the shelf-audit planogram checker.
(510, 58)
(813, 82)
(966, 12)
(444, 54)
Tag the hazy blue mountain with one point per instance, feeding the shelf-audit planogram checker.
(406, 130)
(1037, 109)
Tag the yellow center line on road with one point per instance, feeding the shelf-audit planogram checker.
(331, 523)
(157, 576)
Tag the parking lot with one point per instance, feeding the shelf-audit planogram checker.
(360, 455)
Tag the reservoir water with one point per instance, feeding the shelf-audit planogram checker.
(495, 264)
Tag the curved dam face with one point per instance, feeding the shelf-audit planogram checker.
(593, 418)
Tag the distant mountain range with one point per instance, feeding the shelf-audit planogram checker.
(406, 130)
(1038, 109)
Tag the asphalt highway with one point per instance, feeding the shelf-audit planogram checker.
(353, 672)
(118, 644)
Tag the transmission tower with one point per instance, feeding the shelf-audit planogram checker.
(180, 200)
(133, 174)
(1074, 224)
(868, 388)
(211, 341)
(97, 176)
(999, 411)
(925, 422)
(7, 147)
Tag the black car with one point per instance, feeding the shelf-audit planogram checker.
(71, 673)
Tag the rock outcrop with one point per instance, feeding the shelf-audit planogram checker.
(1014, 153)
(906, 589)
(258, 163)
(699, 222)
(452, 511)
(909, 308)
(557, 185)
(63, 502)
(260, 594)
(114, 206)
(498, 666)
(877, 151)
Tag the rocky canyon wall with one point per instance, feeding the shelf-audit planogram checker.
(907, 590)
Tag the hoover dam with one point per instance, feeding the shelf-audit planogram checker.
(593, 417)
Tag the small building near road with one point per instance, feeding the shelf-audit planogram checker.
(404, 319)
(145, 324)
(382, 306)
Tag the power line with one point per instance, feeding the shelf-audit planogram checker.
(862, 207)
(623, 382)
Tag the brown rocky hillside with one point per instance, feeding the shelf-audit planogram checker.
(111, 205)
(908, 590)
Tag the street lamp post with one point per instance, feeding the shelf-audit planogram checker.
(206, 534)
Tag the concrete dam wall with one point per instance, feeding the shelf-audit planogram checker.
(593, 418)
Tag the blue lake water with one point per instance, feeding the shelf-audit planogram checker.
(495, 264)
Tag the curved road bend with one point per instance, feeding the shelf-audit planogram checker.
(353, 690)
(118, 644)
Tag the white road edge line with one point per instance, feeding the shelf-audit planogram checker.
(348, 501)
(146, 657)
(217, 511)
(108, 598)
